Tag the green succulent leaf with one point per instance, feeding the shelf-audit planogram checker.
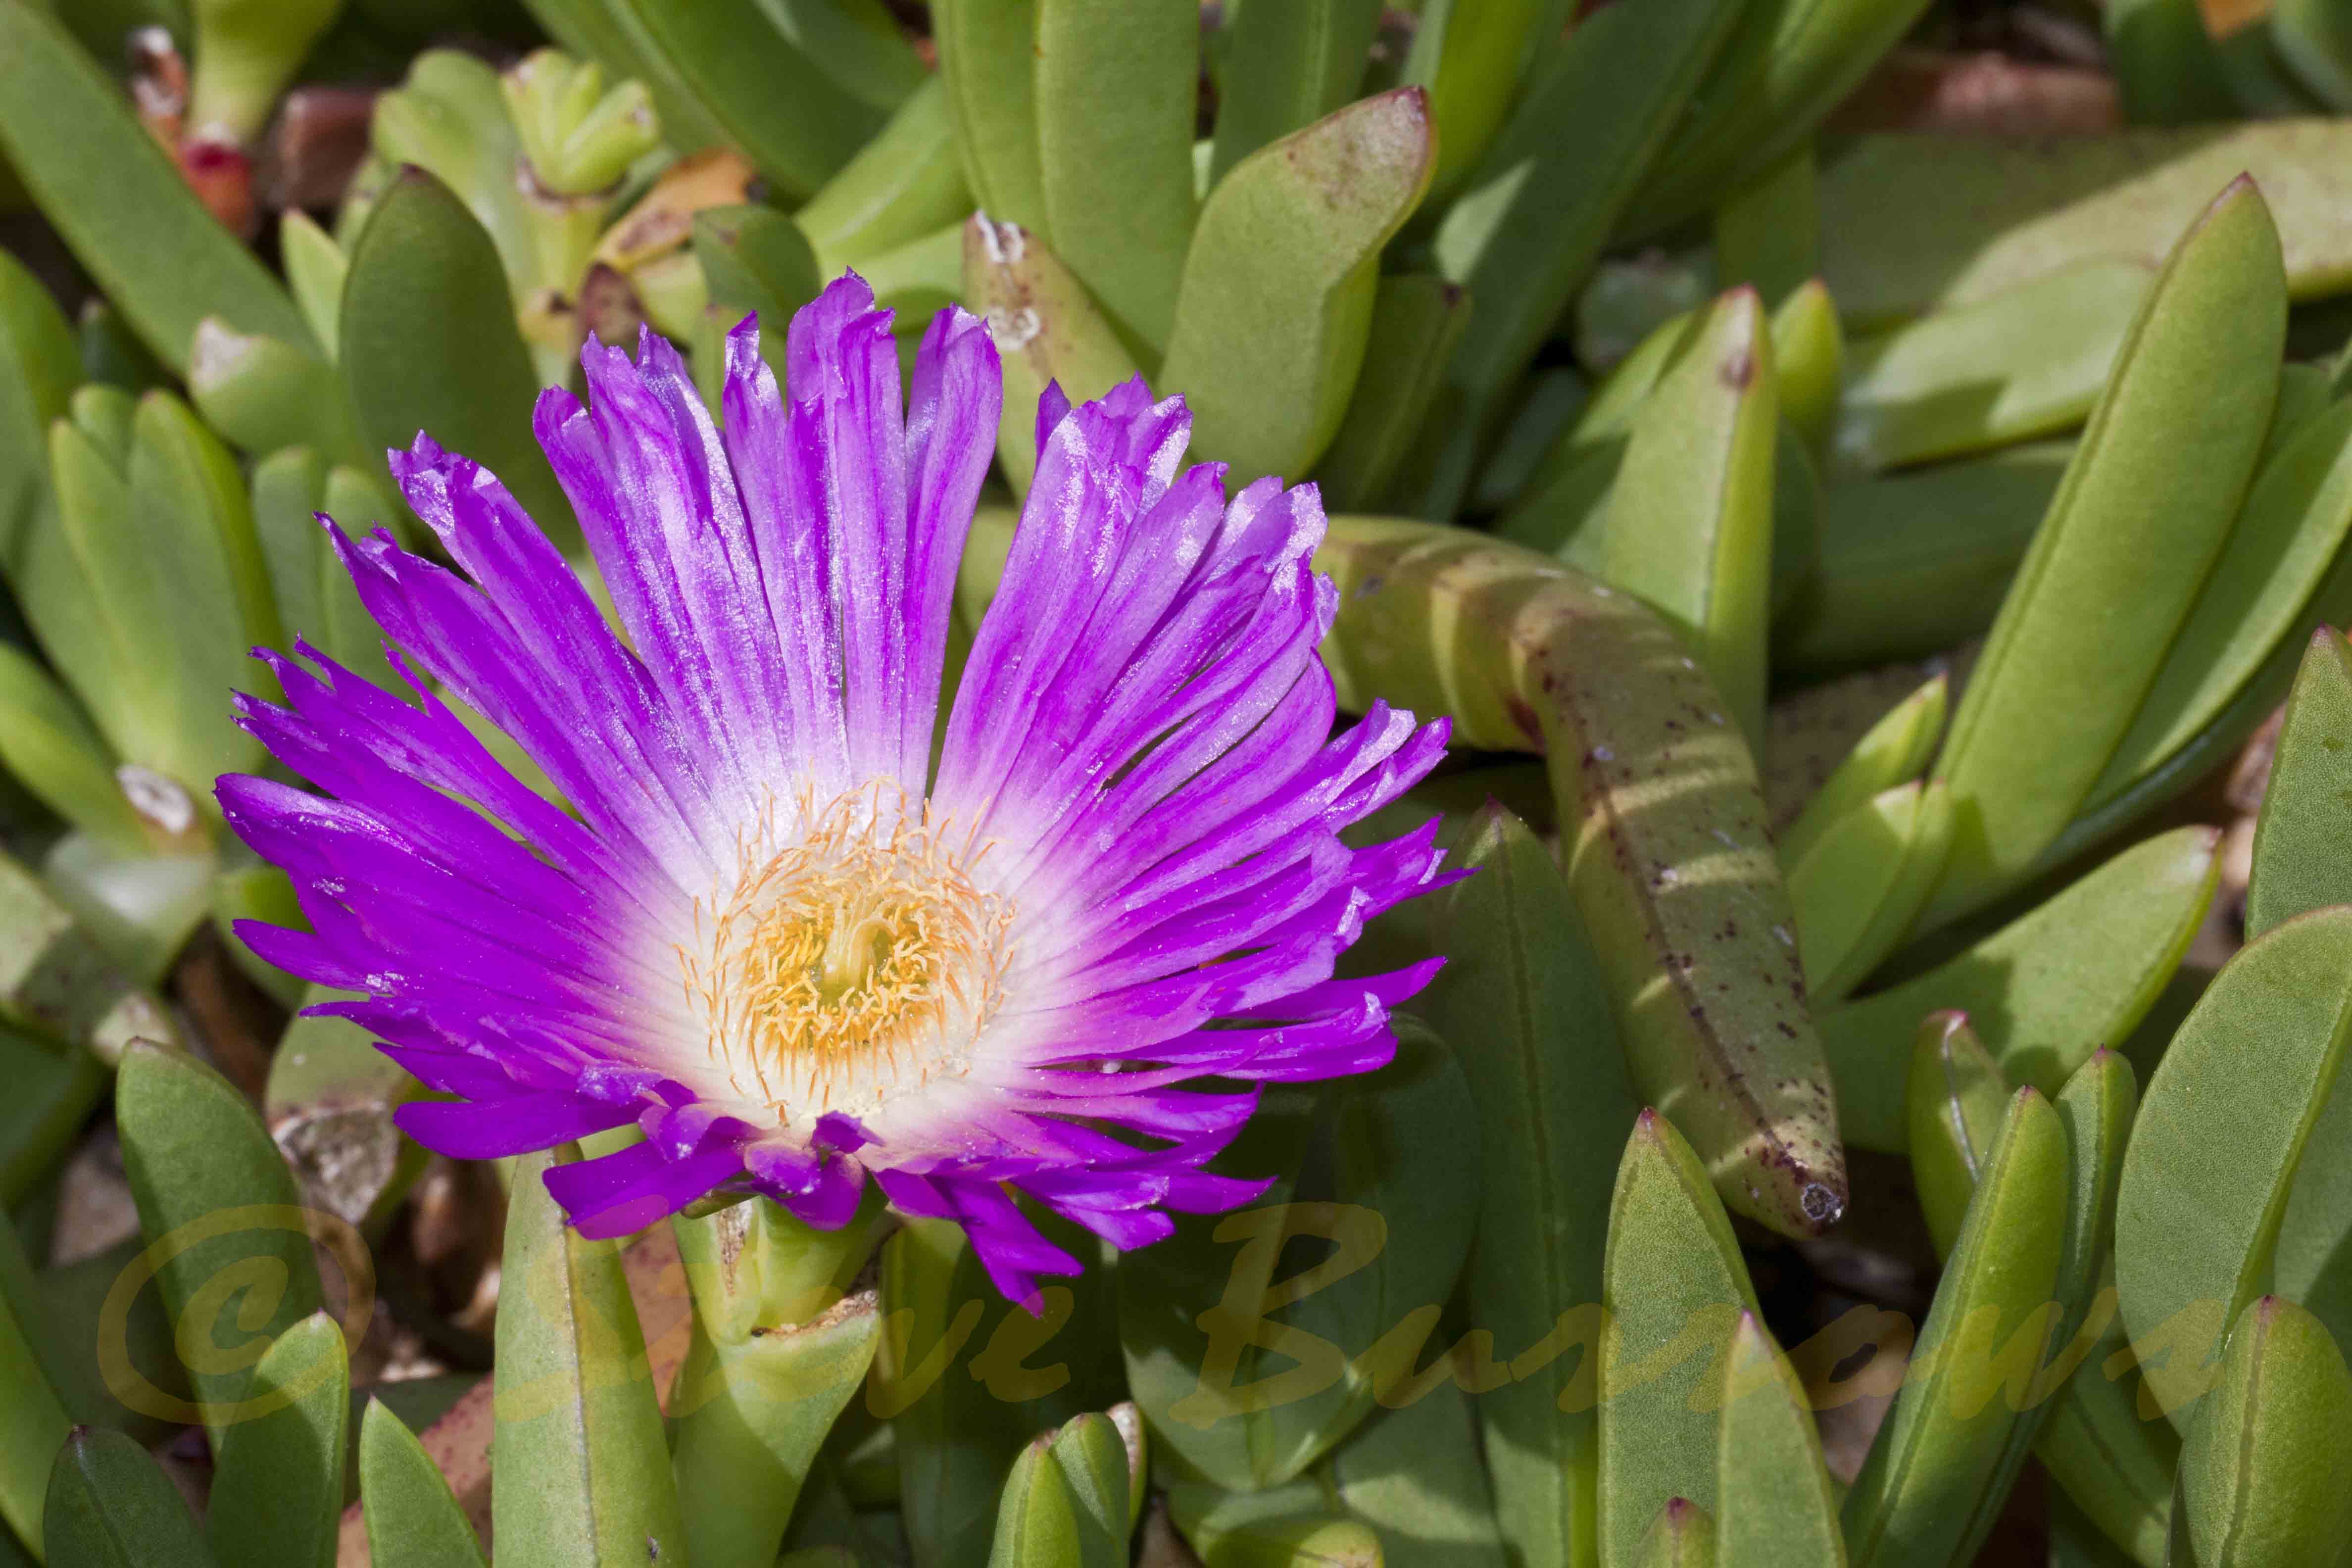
(2096, 1106)
(264, 394)
(278, 1481)
(2138, 519)
(1523, 995)
(1958, 1095)
(1690, 518)
(1286, 67)
(1775, 1506)
(58, 981)
(49, 746)
(1915, 564)
(907, 181)
(1289, 1527)
(314, 266)
(115, 197)
(1923, 1491)
(1891, 752)
(795, 121)
(2227, 1115)
(111, 1506)
(584, 1470)
(413, 1522)
(1674, 1290)
(1858, 890)
(1417, 319)
(1541, 202)
(1768, 232)
(203, 1172)
(2287, 538)
(1278, 294)
(2027, 361)
(1809, 350)
(1415, 1475)
(1038, 1521)
(780, 1349)
(1783, 67)
(2256, 1484)
(987, 59)
(2044, 991)
(1651, 779)
(1682, 1536)
(429, 343)
(56, 1087)
(1913, 222)
(33, 1421)
(1115, 84)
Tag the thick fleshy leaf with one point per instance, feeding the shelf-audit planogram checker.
(780, 1350)
(1890, 753)
(263, 393)
(2044, 991)
(48, 746)
(2297, 866)
(1774, 1503)
(54, 1086)
(796, 121)
(1541, 202)
(2027, 361)
(584, 1470)
(132, 222)
(411, 1520)
(1958, 1095)
(278, 1481)
(1690, 517)
(2227, 1114)
(1285, 67)
(1522, 995)
(1115, 84)
(1783, 68)
(1917, 222)
(1417, 319)
(1602, 685)
(2145, 507)
(1415, 1474)
(111, 1506)
(2257, 1484)
(987, 59)
(1981, 1354)
(2288, 538)
(1858, 888)
(906, 183)
(1683, 1535)
(1915, 563)
(1673, 1281)
(33, 1421)
(57, 980)
(429, 343)
(1768, 232)
(200, 1164)
(1276, 304)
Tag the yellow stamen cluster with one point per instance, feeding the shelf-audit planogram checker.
(858, 961)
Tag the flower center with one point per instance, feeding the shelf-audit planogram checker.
(859, 961)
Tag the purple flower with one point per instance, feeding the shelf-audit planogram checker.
(771, 933)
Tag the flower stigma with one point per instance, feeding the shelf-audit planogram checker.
(857, 962)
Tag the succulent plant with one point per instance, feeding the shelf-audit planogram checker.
(1842, 561)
